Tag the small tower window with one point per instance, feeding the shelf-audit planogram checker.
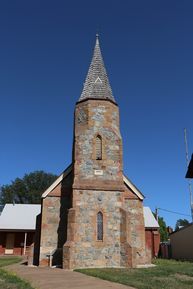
(99, 226)
(98, 147)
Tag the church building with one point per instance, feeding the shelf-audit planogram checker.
(92, 215)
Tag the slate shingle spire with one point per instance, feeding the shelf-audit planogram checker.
(97, 85)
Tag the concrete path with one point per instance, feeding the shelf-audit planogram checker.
(48, 278)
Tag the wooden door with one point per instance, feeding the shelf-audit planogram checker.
(9, 243)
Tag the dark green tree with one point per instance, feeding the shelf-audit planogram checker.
(27, 190)
(181, 223)
(163, 230)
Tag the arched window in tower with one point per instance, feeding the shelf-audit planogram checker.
(98, 147)
(99, 226)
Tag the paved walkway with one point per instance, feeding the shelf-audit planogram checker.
(48, 278)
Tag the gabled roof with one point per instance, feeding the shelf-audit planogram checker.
(19, 217)
(136, 191)
(57, 181)
(182, 228)
(97, 84)
(127, 182)
(150, 220)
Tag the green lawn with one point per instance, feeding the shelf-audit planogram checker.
(10, 280)
(168, 274)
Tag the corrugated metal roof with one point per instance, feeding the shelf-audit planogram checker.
(150, 221)
(19, 217)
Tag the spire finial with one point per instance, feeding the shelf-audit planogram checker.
(97, 38)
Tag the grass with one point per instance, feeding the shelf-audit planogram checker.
(9, 280)
(5, 261)
(168, 274)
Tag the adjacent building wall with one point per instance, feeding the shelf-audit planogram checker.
(182, 243)
(19, 237)
(152, 238)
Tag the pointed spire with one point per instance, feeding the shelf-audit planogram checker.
(97, 84)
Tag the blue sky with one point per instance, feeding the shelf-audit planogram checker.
(45, 51)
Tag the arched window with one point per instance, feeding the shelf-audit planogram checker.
(98, 147)
(99, 226)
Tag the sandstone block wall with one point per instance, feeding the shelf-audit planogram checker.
(83, 247)
(123, 244)
(54, 219)
(92, 118)
(49, 227)
(136, 230)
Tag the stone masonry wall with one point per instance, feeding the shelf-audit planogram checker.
(54, 220)
(49, 227)
(136, 230)
(84, 250)
(94, 117)
(124, 233)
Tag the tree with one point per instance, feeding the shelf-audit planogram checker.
(27, 190)
(163, 230)
(181, 223)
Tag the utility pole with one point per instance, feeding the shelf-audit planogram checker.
(189, 182)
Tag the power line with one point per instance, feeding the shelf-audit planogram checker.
(173, 212)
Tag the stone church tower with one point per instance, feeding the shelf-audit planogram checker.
(92, 215)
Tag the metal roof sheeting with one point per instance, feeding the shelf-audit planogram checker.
(19, 217)
(150, 221)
